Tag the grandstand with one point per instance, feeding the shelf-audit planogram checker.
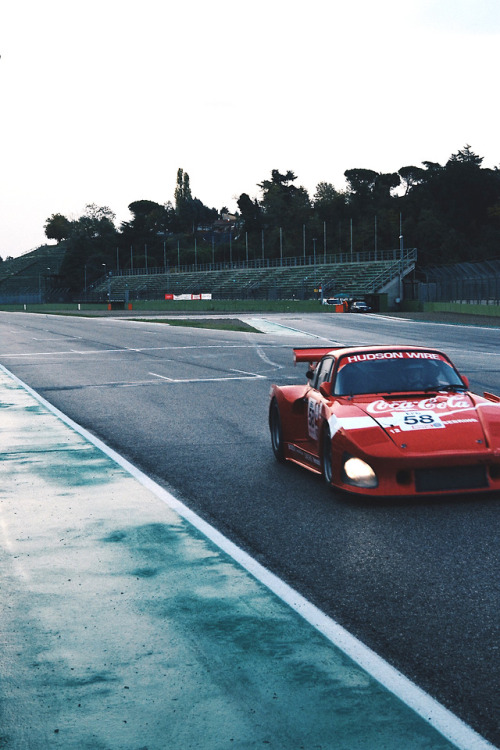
(33, 277)
(360, 278)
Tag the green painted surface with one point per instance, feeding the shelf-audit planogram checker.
(124, 628)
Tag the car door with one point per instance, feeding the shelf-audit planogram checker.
(315, 401)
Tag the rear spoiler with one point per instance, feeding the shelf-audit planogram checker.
(491, 397)
(306, 354)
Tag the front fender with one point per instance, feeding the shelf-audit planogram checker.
(292, 404)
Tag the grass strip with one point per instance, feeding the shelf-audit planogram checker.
(219, 324)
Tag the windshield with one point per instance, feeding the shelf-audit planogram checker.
(392, 372)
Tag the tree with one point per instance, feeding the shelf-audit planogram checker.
(90, 245)
(98, 213)
(57, 227)
(182, 193)
(183, 201)
(142, 211)
(251, 213)
(411, 176)
(329, 204)
(360, 182)
(147, 223)
(467, 156)
(160, 221)
(97, 221)
(384, 183)
(284, 205)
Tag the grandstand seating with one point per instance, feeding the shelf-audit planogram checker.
(299, 282)
(36, 274)
(32, 274)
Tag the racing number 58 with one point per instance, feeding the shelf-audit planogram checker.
(420, 419)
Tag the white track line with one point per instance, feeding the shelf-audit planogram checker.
(443, 720)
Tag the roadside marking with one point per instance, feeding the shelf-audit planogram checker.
(439, 717)
(157, 380)
(34, 338)
(126, 350)
(266, 360)
(163, 377)
(391, 317)
(248, 376)
(267, 326)
(432, 322)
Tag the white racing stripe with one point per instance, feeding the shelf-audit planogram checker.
(443, 720)
(349, 423)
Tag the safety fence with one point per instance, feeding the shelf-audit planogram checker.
(471, 283)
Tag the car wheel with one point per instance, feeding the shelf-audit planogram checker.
(326, 455)
(276, 432)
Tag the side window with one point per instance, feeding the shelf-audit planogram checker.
(322, 373)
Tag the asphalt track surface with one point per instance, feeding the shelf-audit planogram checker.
(418, 582)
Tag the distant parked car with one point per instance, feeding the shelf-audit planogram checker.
(360, 307)
(340, 304)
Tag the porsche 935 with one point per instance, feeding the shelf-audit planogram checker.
(388, 421)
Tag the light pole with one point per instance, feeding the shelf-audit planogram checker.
(108, 280)
(40, 284)
(314, 257)
(400, 258)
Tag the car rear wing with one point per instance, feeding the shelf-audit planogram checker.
(491, 397)
(311, 355)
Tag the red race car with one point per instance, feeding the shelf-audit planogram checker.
(387, 421)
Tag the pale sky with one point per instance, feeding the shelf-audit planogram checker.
(103, 100)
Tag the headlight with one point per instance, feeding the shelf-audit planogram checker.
(358, 472)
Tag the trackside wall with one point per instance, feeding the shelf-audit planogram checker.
(453, 307)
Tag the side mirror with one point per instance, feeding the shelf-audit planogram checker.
(326, 389)
(309, 373)
(466, 381)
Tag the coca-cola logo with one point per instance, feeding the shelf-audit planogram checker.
(457, 401)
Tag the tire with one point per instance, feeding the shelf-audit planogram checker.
(276, 431)
(326, 455)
